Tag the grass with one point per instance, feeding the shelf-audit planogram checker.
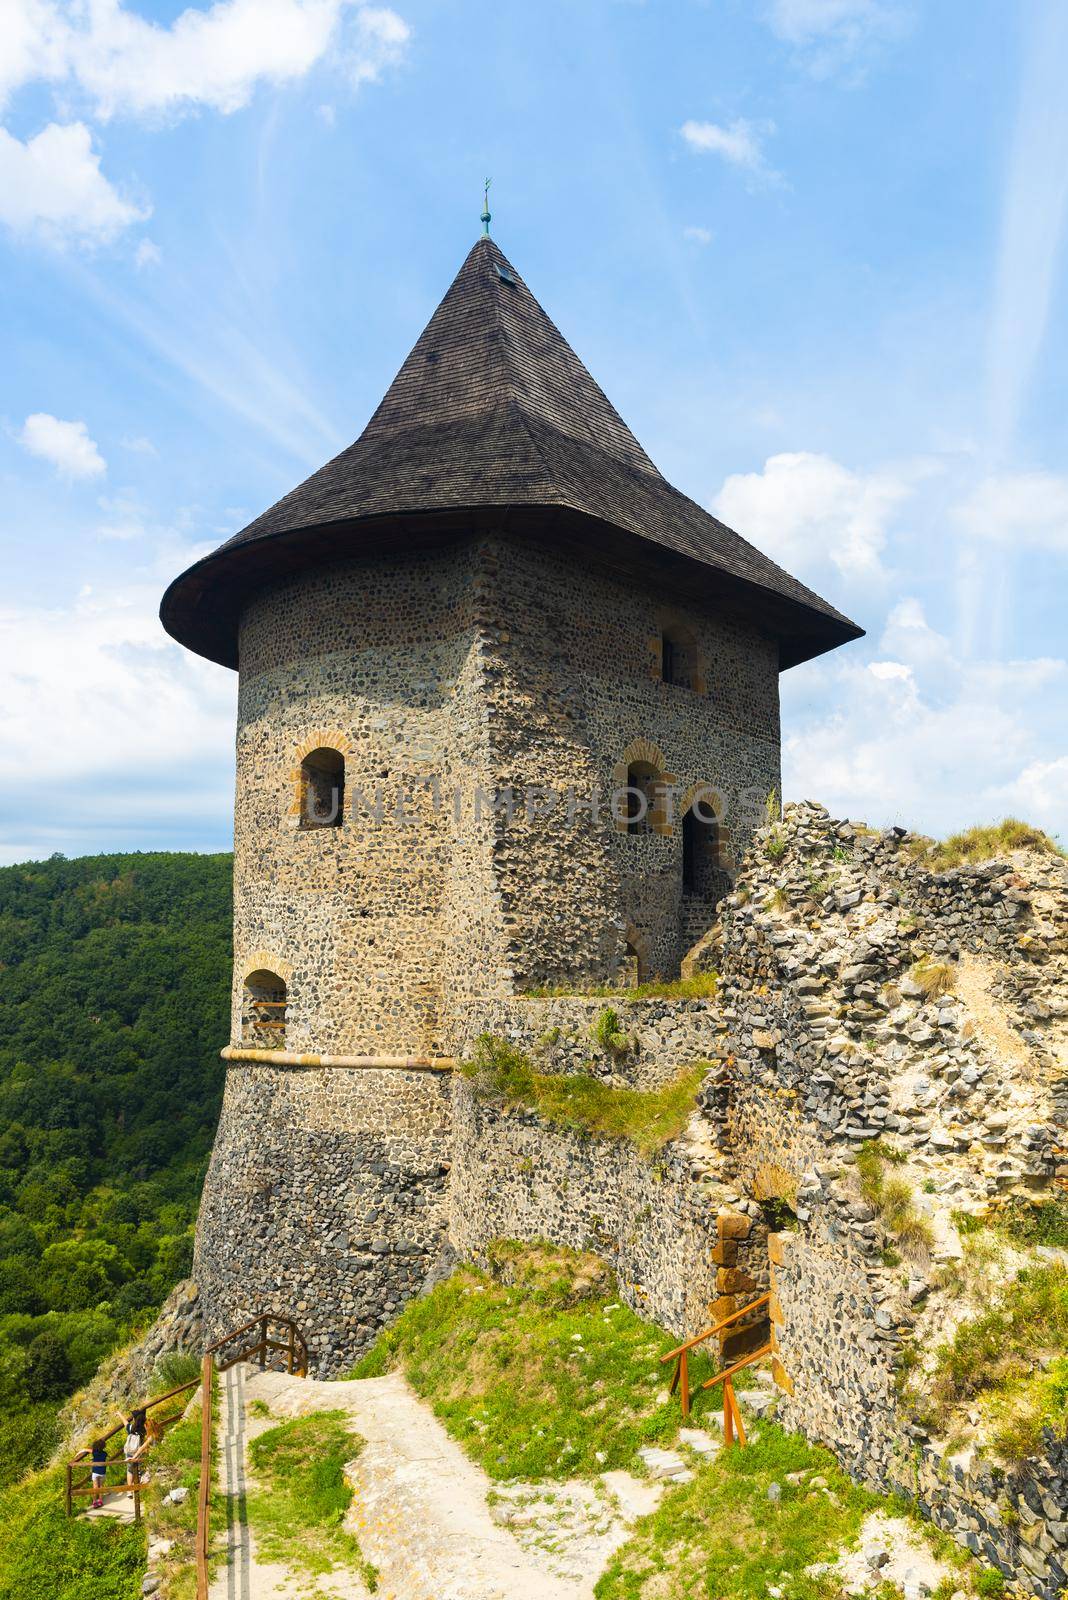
(1028, 1223)
(298, 1509)
(982, 844)
(996, 1359)
(546, 1376)
(44, 1553)
(648, 1119)
(892, 1199)
(721, 1536)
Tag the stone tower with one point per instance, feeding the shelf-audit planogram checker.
(508, 704)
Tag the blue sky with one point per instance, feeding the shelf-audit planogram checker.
(812, 249)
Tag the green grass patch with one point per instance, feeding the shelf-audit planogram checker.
(995, 1360)
(647, 1118)
(721, 1536)
(982, 844)
(43, 1552)
(545, 1376)
(299, 1506)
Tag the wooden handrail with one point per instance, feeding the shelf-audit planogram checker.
(746, 1361)
(725, 1322)
(732, 1417)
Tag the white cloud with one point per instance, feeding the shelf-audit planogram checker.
(125, 733)
(66, 445)
(698, 235)
(922, 737)
(380, 38)
(804, 509)
(740, 144)
(1019, 509)
(147, 254)
(53, 184)
(138, 445)
(214, 57)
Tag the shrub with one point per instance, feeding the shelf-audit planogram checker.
(607, 1032)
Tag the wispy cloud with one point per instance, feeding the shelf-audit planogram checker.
(698, 235)
(1032, 220)
(740, 143)
(833, 34)
(1020, 510)
(65, 445)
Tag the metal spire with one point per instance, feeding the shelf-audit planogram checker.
(485, 219)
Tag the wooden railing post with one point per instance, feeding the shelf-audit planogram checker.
(263, 1342)
(136, 1465)
(684, 1380)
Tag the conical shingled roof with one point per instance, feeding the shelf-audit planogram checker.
(493, 421)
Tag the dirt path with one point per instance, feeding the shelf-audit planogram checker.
(419, 1508)
(246, 1576)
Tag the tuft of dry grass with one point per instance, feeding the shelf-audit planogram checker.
(982, 844)
(934, 977)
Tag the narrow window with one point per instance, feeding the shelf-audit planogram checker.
(263, 1015)
(702, 871)
(642, 781)
(680, 658)
(322, 789)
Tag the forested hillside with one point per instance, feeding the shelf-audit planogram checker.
(114, 1001)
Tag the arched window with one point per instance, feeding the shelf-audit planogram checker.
(263, 1011)
(322, 789)
(701, 870)
(643, 796)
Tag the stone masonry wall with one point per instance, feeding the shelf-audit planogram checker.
(514, 1177)
(325, 1200)
(575, 691)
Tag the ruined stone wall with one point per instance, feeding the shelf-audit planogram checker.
(514, 1177)
(325, 1200)
(832, 1041)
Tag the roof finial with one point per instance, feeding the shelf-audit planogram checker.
(485, 219)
